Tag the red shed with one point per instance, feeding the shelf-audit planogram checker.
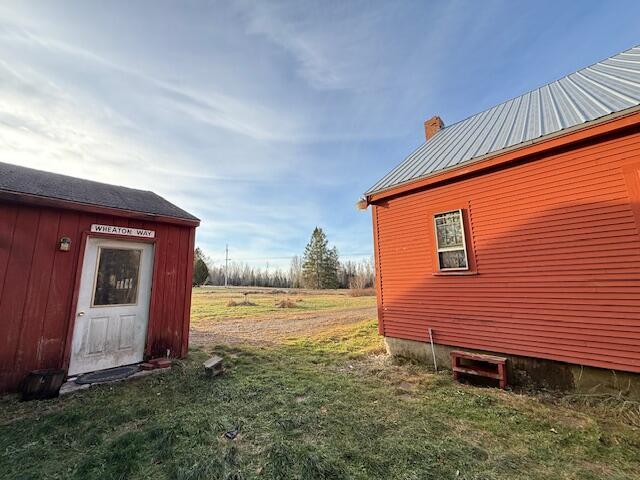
(92, 276)
(516, 231)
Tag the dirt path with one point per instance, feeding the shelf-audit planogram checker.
(276, 328)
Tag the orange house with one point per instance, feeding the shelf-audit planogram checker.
(517, 231)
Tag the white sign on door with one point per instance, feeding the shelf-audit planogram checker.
(129, 232)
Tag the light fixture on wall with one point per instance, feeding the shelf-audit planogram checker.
(362, 204)
(65, 244)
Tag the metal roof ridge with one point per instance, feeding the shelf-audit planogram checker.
(563, 103)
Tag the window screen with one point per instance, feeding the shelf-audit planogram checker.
(452, 250)
(117, 277)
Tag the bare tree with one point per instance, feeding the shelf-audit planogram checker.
(295, 272)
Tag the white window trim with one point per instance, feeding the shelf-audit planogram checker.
(451, 249)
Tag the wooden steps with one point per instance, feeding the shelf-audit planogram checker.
(213, 366)
(480, 365)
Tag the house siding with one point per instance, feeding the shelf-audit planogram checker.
(556, 246)
(37, 286)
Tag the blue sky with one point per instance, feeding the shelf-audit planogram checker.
(266, 119)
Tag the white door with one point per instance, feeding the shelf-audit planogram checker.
(113, 305)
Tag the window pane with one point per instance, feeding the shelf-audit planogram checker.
(452, 259)
(449, 230)
(117, 277)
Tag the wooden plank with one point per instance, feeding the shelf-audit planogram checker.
(60, 293)
(478, 356)
(8, 216)
(156, 325)
(477, 371)
(378, 270)
(177, 317)
(213, 362)
(213, 366)
(12, 301)
(186, 312)
(171, 333)
(30, 342)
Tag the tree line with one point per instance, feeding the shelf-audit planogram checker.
(318, 267)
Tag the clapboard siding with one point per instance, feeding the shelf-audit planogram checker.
(37, 286)
(556, 245)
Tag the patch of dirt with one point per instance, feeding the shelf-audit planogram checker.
(275, 328)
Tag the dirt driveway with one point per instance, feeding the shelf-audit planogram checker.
(275, 328)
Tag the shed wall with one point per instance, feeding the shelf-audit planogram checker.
(556, 244)
(37, 286)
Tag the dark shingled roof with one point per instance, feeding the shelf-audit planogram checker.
(62, 187)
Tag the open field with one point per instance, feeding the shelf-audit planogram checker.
(325, 403)
(212, 321)
(211, 302)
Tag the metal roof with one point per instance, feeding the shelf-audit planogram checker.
(607, 87)
(17, 179)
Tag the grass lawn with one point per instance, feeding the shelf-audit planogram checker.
(325, 406)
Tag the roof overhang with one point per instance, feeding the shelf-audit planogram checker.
(587, 131)
(36, 200)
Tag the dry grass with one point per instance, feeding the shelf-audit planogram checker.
(615, 407)
(286, 303)
(362, 292)
(241, 303)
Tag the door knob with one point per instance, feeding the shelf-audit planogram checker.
(81, 314)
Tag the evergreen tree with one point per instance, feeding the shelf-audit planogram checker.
(200, 268)
(320, 263)
(200, 272)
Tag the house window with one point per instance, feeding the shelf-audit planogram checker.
(450, 241)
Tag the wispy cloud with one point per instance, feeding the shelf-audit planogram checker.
(265, 119)
(51, 117)
(334, 48)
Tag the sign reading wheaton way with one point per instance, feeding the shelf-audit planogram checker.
(130, 232)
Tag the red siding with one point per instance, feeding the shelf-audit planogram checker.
(37, 286)
(557, 248)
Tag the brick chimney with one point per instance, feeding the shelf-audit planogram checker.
(432, 126)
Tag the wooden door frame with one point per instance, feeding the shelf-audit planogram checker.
(86, 235)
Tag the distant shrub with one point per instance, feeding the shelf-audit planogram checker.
(286, 303)
(241, 303)
(362, 292)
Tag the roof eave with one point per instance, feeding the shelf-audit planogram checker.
(38, 200)
(600, 126)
